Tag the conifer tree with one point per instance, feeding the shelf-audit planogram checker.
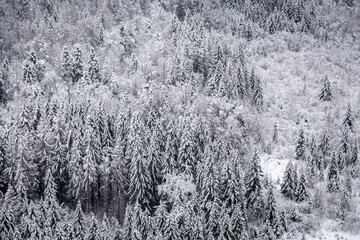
(29, 227)
(242, 91)
(257, 98)
(30, 74)
(90, 167)
(140, 188)
(213, 225)
(170, 153)
(77, 65)
(270, 209)
(67, 70)
(354, 159)
(275, 134)
(78, 224)
(349, 120)
(94, 69)
(301, 193)
(214, 81)
(186, 157)
(154, 159)
(225, 224)
(54, 217)
(287, 186)
(210, 185)
(171, 230)
(326, 92)
(333, 176)
(7, 223)
(300, 146)
(3, 95)
(239, 223)
(253, 182)
(92, 233)
(324, 144)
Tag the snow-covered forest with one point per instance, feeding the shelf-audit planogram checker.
(179, 119)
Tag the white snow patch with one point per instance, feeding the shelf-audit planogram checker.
(272, 167)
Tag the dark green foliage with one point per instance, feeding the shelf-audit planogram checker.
(349, 120)
(67, 70)
(288, 185)
(77, 65)
(301, 193)
(326, 93)
(300, 146)
(94, 69)
(333, 176)
(253, 182)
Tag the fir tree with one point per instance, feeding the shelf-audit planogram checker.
(275, 134)
(349, 120)
(78, 224)
(66, 66)
(186, 157)
(29, 227)
(171, 230)
(239, 222)
(253, 182)
(333, 176)
(140, 188)
(300, 146)
(242, 91)
(92, 233)
(270, 209)
(326, 93)
(301, 193)
(288, 186)
(225, 224)
(324, 144)
(257, 98)
(94, 69)
(170, 153)
(3, 95)
(7, 223)
(77, 65)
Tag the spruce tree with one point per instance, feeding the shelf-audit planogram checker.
(242, 91)
(349, 120)
(3, 95)
(186, 157)
(354, 159)
(301, 193)
(7, 223)
(170, 154)
(253, 183)
(257, 98)
(77, 67)
(287, 185)
(239, 223)
(94, 69)
(275, 134)
(270, 209)
(326, 93)
(300, 146)
(29, 227)
(78, 224)
(333, 175)
(225, 224)
(140, 188)
(92, 233)
(67, 70)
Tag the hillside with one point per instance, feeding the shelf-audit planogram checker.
(154, 119)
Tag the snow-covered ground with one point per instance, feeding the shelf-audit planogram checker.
(326, 232)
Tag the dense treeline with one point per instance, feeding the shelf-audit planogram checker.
(101, 141)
